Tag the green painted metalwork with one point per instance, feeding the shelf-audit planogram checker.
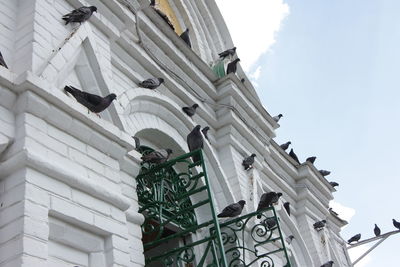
(219, 69)
(165, 192)
(252, 241)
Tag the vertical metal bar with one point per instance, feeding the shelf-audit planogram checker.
(369, 250)
(214, 216)
(281, 236)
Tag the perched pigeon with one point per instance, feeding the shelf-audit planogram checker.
(80, 15)
(231, 68)
(229, 52)
(319, 225)
(186, 38)
(204, 131)
(377, 230)
(324, 172)
(190, 111)
(277, 118)
(232, 210)
(2, 61)
(294, 156)
(285, 145)
(328, 264)
(137, 143)
(355, 238)
(311, 159)
(286, 205)
(195, 141)
(164, 17)
(93, 102)
(267, 199)
(270, 222)
(151, 83)
(248, 162)
(396, 224)
(289, 239)
(333, 184)
(157, 156)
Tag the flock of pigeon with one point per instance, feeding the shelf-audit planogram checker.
(97, 104)
(293, 155)
(377, 232)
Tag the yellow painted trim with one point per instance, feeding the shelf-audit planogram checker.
(165, 7)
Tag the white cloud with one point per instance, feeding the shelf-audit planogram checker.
(345, 213)
(253, 24)
(253, 76)
(356, 252)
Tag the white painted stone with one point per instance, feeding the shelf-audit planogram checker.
(71, 175)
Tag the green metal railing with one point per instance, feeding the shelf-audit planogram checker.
(174, 236)
(165, 192)
(253, 241)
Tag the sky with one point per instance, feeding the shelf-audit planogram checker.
(332, 68)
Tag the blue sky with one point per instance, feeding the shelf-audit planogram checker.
(333, 70)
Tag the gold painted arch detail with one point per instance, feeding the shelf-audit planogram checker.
(165, 7)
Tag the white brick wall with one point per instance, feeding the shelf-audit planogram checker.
(62, 167)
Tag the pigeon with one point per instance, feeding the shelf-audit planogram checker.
(248, 162)
(186, 38)
(2, 61)
(232, 66)
(195, 141)
(151, 83)
(328, 264)
(286, 205)
(277, 118)
(204, 131)
(311, 159)
(324, 172)
(266, 200)
(333, 184)
(80, 15)
(163, 16)
(157, 156)
(294, 156)
(93, 102)
(396, 224)
(377, 230)
(232, 210)
(319, 225)
(285, 145)
(229, 52)
(137, 143)
(289, 239)
(355, 238)
(190, 111)
(270, 222)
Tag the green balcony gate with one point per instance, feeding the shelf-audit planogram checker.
(173, 235)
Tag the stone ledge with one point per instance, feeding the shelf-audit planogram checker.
(30, 82)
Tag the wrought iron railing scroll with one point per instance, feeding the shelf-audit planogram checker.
(166, 193)
(254, 239)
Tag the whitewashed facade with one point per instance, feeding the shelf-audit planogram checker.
(67, 187)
